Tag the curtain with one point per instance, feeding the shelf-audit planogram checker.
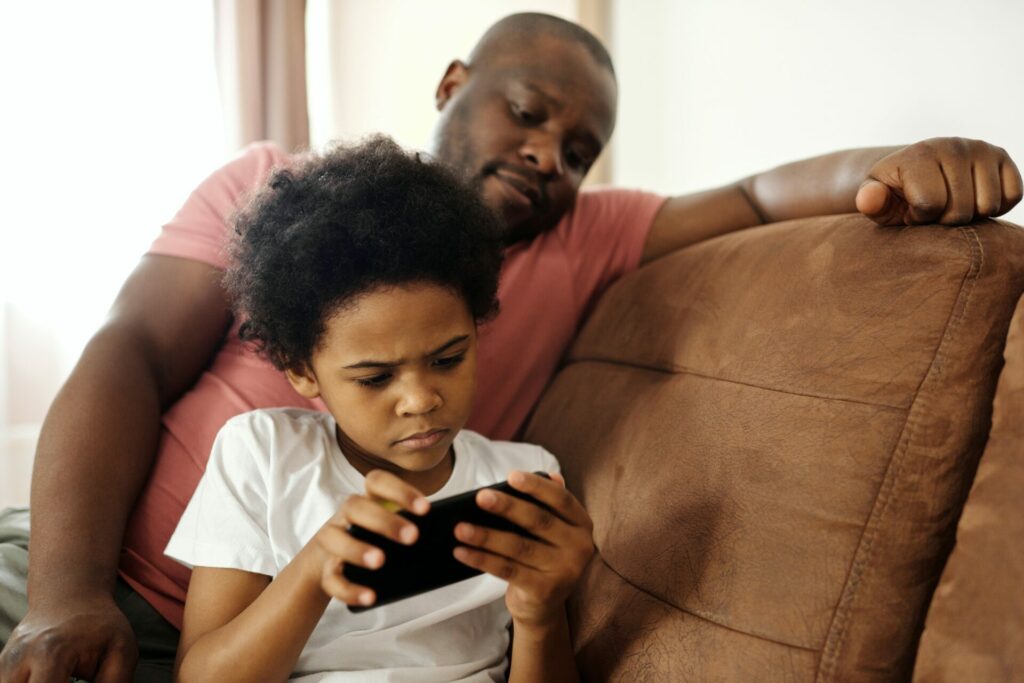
(261, 69)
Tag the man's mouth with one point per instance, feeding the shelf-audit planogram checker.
(521, 189)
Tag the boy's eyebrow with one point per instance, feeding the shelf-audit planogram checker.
(391, 363)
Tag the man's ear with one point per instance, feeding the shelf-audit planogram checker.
(304, 382)
(454, 78)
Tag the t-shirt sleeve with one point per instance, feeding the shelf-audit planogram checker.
(225, 522)
(604, 236)
(548, 462)
(200, 229)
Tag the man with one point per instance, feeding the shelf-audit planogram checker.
(524, 119)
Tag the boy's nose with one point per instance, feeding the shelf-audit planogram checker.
(419, 401)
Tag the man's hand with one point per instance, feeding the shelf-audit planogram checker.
(86, 638)
(951, 181)
(540, 573)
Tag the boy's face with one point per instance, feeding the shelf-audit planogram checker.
(397, 371)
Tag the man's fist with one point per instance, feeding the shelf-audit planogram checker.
(951, 181)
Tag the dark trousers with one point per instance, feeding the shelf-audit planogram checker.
(157, 639)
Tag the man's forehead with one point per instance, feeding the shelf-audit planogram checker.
(561, 82)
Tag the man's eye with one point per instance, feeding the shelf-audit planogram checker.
(376, 381)
(449, 361)
(577, 160)
(524, 115)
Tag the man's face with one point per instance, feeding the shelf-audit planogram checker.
(397, 372)
(525, 128)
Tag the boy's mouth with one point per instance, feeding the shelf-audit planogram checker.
(421, 440)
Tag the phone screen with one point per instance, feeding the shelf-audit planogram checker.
(428, 563)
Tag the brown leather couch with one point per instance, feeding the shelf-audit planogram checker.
(775, 433)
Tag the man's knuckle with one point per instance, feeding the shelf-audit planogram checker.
(958, 217)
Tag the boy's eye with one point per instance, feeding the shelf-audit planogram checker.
(449, 361)
(376, 381)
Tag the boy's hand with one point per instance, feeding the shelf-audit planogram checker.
(332, 547)
(540, 573)
(951, 181)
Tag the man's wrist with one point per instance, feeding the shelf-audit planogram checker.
(55, 587)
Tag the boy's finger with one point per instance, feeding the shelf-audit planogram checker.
(337, 586)
(525, 551)
(387, 488)
(553, 494)
(337, 543)
(369, 514)
(501, 567)
(539, 521)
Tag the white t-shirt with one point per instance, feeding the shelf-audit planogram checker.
(275, 476)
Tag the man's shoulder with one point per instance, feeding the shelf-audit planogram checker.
(254, 162)
(607, 206)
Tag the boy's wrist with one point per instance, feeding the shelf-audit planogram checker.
(311, 560)
(540, 627)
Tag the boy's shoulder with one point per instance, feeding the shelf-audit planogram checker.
(277, 432)
(498, 457)
(269, 421)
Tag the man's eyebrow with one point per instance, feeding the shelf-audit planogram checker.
(554, 101)
(392, 363)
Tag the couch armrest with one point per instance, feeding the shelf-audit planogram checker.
(975, 625)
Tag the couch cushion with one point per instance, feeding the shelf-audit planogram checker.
(975, 625)
(774, 432)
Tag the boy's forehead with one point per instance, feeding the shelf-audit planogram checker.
(396, 323)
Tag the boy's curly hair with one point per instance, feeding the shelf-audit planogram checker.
(349, 221)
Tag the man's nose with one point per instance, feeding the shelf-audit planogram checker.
(543, 153)
(419, 398)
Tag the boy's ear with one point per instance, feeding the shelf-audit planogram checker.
(454, 78)
(304, 382)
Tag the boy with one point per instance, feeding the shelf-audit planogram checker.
(363, 274)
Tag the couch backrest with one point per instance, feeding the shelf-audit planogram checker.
(774, 432)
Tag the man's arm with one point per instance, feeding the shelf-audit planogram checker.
(96, 448)
(943, 180)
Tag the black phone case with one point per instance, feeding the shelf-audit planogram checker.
(428, 563)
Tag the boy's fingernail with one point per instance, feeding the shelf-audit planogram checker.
(408, 534)
(487, 498)
(372, 558)
(366, 597)
(421, 505)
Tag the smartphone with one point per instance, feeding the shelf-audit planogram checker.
(428, 563)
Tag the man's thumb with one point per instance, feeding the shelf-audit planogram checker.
(875, 200)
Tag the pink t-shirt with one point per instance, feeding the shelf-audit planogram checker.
(546, 288)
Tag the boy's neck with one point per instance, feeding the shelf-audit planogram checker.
(427, 482)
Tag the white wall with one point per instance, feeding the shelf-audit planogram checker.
(109, 118)
(374, 66)
(712, 91)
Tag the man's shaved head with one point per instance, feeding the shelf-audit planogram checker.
(515, 33)
(527, 117)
